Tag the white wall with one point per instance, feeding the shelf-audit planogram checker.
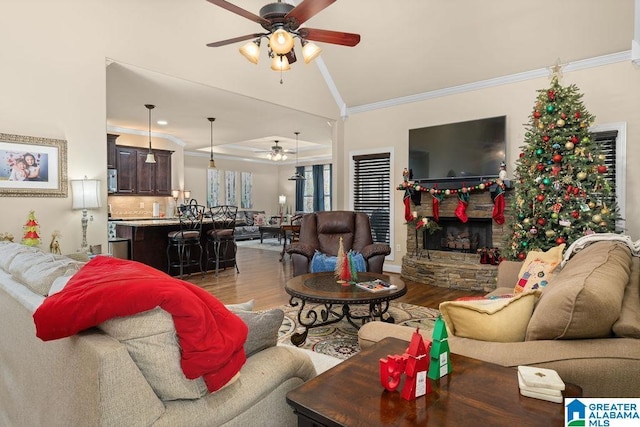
(611, 93)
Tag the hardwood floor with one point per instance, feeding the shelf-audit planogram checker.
(262, 278)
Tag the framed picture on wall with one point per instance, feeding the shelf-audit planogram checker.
(32, 166)
(230, 188)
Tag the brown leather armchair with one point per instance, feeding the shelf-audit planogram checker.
(322, 231)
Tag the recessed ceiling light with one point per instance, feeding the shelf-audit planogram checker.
(162, 122)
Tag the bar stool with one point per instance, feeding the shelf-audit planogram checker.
(183, 242)
(221, 243)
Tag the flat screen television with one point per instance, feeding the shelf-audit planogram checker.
(458, 152)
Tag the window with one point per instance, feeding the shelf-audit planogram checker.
(612, 141)
(372, 192)
(317, 188)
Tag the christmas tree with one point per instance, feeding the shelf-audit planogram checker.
(562, 190)
(31, 237)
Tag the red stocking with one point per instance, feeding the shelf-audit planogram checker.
(436, 199)
(498, 208)
(407, 206)
(461, 209)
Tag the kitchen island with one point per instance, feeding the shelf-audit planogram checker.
(148, 240)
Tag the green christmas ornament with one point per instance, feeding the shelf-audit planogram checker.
(539, 152)
(550, 108)
(546, 181)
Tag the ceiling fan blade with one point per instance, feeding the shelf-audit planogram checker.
(326, 36)
(239, 11)
(305, 10)
(234, 40)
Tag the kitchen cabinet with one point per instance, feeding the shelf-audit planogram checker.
(126, 163)
(135, 177)
(111, 150)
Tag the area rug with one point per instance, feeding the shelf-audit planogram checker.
(341, 339)
(270, 244)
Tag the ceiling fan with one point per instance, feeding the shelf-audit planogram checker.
(282, 24)
(277, 152)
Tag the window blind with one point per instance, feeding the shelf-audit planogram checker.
(372, 192)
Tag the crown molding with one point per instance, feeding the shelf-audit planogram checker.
(484, 84)
(117, 129)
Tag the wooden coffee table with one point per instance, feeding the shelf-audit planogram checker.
(476, 393)
(322, 288)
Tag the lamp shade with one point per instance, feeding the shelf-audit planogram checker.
(251, 51)
(281, 42)
(85, 193)
(282, 199)
(310, 51)
(280, 63)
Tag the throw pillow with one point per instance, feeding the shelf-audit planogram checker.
(628, 324)
(323, 262)
(259, 219)
(263, 329)
(150, 338)
(9, 250)
(490, 319)
(537, 268)
(585, 298)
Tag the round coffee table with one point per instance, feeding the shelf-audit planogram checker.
(322, 288)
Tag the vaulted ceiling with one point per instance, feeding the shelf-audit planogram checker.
(409, 49)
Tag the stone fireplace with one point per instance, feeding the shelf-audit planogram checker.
(449, 257)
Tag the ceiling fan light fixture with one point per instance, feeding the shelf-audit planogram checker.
(281, 41)
(280, 63)
(310, 51)
(251, 51)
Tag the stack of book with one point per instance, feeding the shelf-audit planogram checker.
(540, 383)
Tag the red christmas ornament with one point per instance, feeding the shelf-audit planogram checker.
(567, 197)
(540, 167)
(560, 240)
(575, 139)
(521, 155)
(563, 115)
(557, 158)
(536, 114)
(540, 197)
(576, 191)
(577, 115)
(551, 94)
(545, 138)
(542, 222)
(575, 214)
(602, 169)
(521, 256)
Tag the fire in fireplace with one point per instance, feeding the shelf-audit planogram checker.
(458, 236)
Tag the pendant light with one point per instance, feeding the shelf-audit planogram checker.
(296, 176)
(150, 157)
(212, 163)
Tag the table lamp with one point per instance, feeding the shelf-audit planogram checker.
(282, 200)
(86, 195)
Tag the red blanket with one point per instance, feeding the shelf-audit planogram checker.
(210, 336)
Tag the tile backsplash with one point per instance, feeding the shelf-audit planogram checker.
(139, 206)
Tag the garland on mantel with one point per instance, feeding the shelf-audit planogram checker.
(412, 189)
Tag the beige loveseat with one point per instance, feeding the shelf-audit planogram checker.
(586, 324)
(90, 379)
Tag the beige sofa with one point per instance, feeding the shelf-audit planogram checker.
(586, 324)
(91, 380)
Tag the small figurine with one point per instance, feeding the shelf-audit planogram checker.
(440, 354)
(503, 171)
(54, 246)
(405, 175)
